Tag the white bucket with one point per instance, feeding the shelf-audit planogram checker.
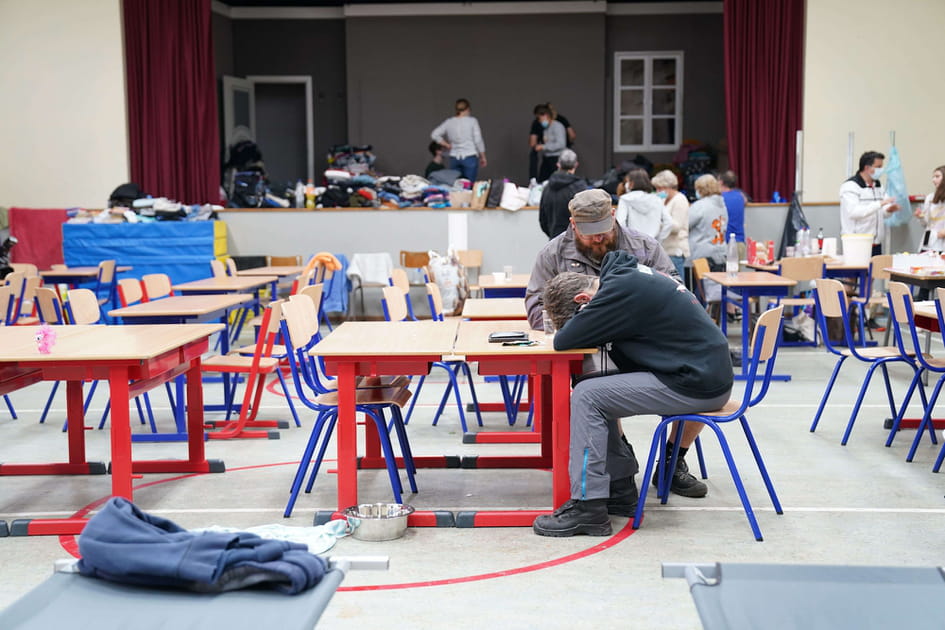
(857, 249)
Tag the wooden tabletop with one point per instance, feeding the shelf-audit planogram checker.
(81, 272)
(519, 280)
(389, 338)
(183, 305)
(224, 284)
(473, 339)
(100, 343)
(494, 308)
(750, 279)
(918, 276)
(272, 270)
(832, 264)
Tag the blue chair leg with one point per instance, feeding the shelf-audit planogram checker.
(6, 399)
(446, 393)
(472, 391)
(823, 400)
(388, 450)
(926, 419)
(304, 462)
(859, 401)
(889, 394)
(333, 420)
(761, 465)
(147, 406)
(897, 419)
(398, 423)
(288, 397)
(670, 467)
(657, 442)
(702, 470)
(413, 399)
(52, 394)
(506, 398)
(738, 481)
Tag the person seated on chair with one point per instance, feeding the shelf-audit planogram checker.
(669, 358)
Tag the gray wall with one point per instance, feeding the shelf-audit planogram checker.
(699, 36)
(404, 75)
(300, 47)
(222, 44)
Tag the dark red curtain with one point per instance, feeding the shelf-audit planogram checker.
(764, 61)
(172, 99)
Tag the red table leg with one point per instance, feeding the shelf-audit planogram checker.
(347, 436)
(120, 432)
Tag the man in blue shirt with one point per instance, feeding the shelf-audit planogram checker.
(735, 204)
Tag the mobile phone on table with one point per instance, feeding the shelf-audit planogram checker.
(502, 337)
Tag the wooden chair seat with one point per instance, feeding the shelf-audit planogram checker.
(27, 321)
(380, 396)
(728, 409)
(238, 363)
(876, 352)
(797, 301)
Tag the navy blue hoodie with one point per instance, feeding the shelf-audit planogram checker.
(123, 544)
(654, 325)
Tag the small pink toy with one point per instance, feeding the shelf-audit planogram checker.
(45, 338)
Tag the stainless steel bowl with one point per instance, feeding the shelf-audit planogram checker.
(378, 521)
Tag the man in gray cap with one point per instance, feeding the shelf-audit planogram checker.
(593, 232)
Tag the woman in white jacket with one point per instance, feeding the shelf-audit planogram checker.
(932, 212)
(676, 242)
(640, 208)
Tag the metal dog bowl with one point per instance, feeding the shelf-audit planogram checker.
(378, 521)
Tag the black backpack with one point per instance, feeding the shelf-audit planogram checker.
(125, 195)
(496, 186)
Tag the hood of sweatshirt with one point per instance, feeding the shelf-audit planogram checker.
(562, 179)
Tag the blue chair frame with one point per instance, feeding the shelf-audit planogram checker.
(764, 350)
(831, 301)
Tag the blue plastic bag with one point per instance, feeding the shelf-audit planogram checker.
(896, 188)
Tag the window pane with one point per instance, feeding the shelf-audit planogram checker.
(631, 72)
(664, 131)
(664, 72)
(631, 131)
(631, 102)
(664, 102)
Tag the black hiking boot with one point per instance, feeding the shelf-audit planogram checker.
(623, 497)
(575, 517)
(683, 483)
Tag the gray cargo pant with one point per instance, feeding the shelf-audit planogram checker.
(597, 453)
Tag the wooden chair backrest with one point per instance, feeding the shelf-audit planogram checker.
(16, 281)
(84, 306)
(28, 269)
(303, 281)
(48, 305)
(900, 293)
(217, 270)
(129, 291)
(314, 293)
(770, 322)
(878, 266)
(156, 285)
(29, 287)
(399, 279)
(939, 297)
(231, 268)
(6, 300)
(284, 261)
(470, 257)
(396, 304)
(436, 306)
(414, 260)
(803, 268)
(301, 319)
(700, 267)
(831, 304)
(106, 272)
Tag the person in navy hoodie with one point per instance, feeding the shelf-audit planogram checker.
(668, 358)
(735, 201)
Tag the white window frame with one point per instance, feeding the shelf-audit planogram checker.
(647, 117)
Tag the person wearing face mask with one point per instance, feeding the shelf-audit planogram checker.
(554, 141)
(862, 203)
(932, 212)
(676, 242)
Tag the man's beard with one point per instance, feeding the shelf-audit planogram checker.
(596, 251)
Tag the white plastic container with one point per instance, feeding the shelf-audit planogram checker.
(857, 248)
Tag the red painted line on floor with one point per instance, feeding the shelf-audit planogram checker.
(71, 546)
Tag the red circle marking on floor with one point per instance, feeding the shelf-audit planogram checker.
(70, 545)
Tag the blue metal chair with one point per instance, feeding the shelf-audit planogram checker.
(803, 270)
(901, 312)
(395, 310)
(831, 301)
(374, 402)
(764, 345)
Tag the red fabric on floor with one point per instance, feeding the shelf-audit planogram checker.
(39, 235)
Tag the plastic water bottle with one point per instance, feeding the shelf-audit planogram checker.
(299, 194)
(310, 195)
(803, 242)
(731, 260)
